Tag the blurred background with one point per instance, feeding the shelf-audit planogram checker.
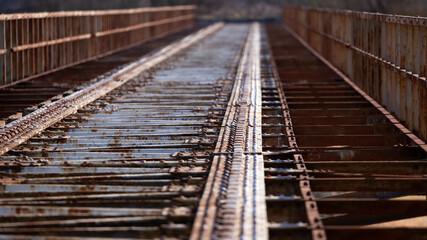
(221, 9)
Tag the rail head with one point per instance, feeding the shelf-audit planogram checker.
(24, 128)
(233, 203)
(416, 140)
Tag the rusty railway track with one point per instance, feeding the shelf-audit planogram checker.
(234, 132)
(356, 173)
(25, 97)
(132, 163)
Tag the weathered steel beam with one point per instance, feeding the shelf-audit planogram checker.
(363, 165)
(302, 185)
(383, 55)
(35, 44)
(353, 205)
(19, 131)
(233, 202)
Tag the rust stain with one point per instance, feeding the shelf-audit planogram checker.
(81, 39)
(381, 47)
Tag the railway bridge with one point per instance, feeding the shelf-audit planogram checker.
(141, 124)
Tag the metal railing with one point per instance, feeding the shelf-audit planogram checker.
(33, 44)
(385, 55)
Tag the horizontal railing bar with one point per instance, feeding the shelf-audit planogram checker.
(389, 18)
(98, 34)
(18, 16)
(404, 72)
(39, 43)
(144, 25)
(88, 59)
(382, 54)
(52, 42)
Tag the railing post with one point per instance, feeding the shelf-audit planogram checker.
(385, 55)
(2, 49)
(34, 44)
(92, 30)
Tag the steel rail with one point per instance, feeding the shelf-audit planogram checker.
(313, 216)
(362, 163)
(384, 111)
(131, 164)
(19, 131)
(233, 202)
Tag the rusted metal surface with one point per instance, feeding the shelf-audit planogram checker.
(281, 147)
(365, 170)
(25, 97)
(22, 129)
(234, 132)
(233, 202)
(35, 44)
(133, 163)
(384, 55)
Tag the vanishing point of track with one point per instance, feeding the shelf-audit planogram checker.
(235, 132)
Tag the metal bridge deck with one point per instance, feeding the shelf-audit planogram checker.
(235, 132)
(366, 176)
(24, 97)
